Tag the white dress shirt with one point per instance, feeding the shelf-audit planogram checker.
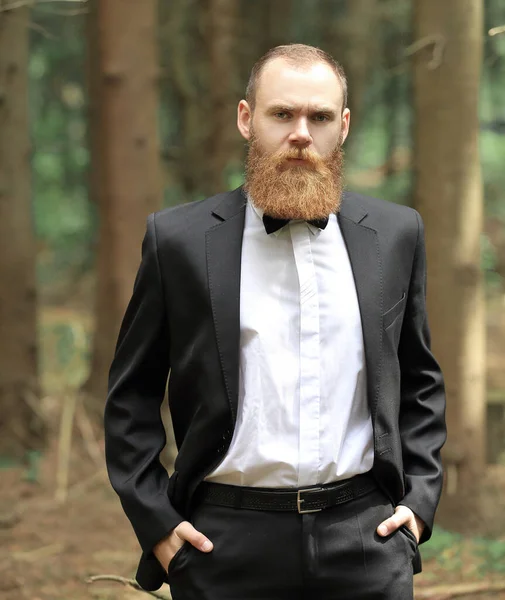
(303, 417)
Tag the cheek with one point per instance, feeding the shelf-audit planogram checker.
(271, 137)
(326, 141)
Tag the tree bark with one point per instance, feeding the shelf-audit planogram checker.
(188, 65)
(224, 138)
(130, 182)
(448, 194)
(396, 35)
(278, 26)
(21, 428)
(351, 40)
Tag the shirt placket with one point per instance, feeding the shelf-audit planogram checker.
(308, 471)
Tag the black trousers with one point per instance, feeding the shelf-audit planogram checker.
(328, 555)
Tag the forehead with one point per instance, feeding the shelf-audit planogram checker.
(282, 81)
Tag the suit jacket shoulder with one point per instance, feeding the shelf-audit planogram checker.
(397, 224)
(195, 217)
(381, 214)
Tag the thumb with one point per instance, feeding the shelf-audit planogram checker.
(186, 531)
(401, 516)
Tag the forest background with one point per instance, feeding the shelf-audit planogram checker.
(111, 109)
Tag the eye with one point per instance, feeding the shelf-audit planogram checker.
(282, 115)
(321, 118)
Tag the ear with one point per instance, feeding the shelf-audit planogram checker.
(346, 122)
(244, 119)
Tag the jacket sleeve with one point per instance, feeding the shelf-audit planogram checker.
(134, 431)
(422, 410)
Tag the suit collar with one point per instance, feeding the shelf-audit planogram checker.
(352, 208)
(231, 204)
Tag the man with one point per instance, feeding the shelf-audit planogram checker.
(307, 407)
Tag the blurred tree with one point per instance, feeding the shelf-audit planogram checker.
(130, 186)
(277, 25)
(349, 34)
(186, 123)
(448, 194)
(224, 139)
(200, 90)
(265, 24)
(394, 29)
(21, 428)
(64, 218)
(358, 29)
(93, 84)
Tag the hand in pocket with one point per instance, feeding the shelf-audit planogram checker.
(167, 548)
(403, 516)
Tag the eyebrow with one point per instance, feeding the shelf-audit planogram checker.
(291, 108)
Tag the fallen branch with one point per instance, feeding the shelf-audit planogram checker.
(83, 485)
(438, 43)
(446, 592)
(130, 582)
(88, 435)
(39, 553)
(64, 447)
(497, 30)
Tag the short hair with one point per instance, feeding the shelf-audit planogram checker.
(300, 55)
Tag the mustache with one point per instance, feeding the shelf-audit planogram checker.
(309, 156)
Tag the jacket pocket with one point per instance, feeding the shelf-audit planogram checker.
(390, 316)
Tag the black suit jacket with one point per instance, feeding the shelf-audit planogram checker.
(183, 318)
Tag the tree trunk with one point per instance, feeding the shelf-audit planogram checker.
(278, 26)
(21, 428)
(448, 194)
(394, 25)
(130, 189)
(93, 84)
(224, 138)
(352, 40)
(188, 64)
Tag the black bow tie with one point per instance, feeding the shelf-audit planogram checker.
(272, 224)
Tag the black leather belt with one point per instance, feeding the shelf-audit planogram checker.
(306, 500)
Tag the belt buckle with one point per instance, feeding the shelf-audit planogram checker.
(299, 501)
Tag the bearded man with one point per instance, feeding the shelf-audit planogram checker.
(307, 407)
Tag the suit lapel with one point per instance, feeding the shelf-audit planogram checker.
(364, 254)
(224, 251)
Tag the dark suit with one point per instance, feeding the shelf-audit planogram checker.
(184, 318)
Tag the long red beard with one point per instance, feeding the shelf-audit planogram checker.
(284, 191)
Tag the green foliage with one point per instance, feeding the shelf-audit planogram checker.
(65, 345)
(491, 554)
(64, 219)
(493, 279)
(445, 547)
(33, 471)
(455, 552)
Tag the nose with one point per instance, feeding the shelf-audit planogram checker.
(300, 134)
